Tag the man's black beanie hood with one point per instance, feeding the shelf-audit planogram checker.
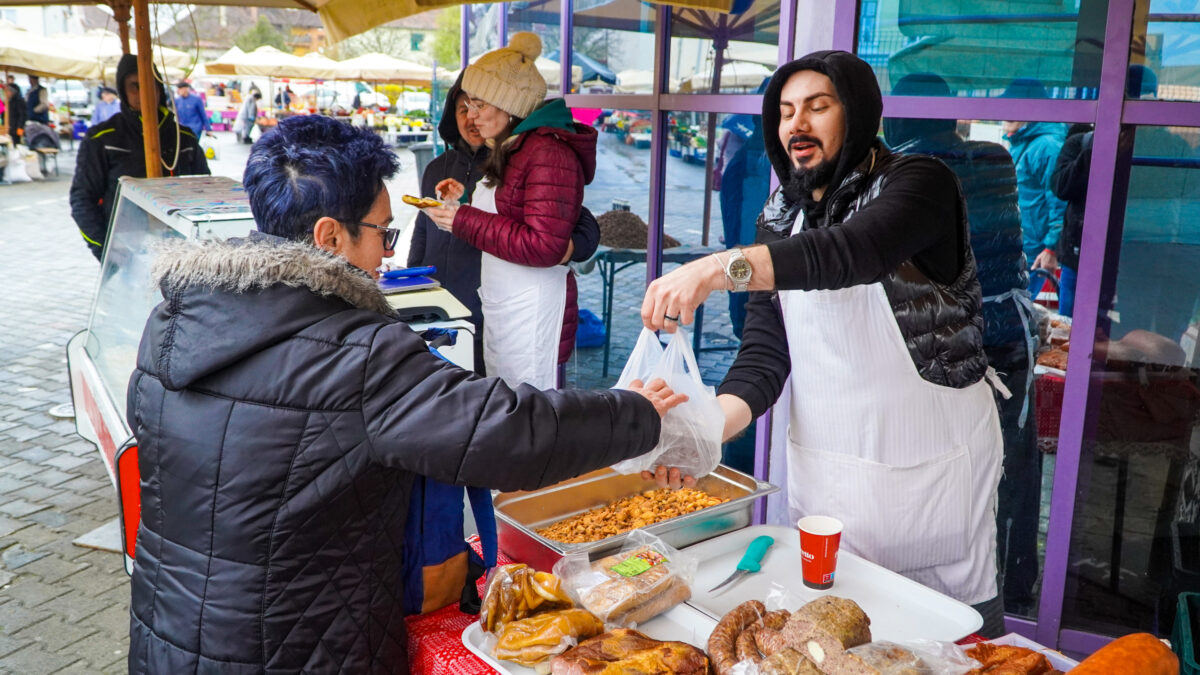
(127, 66)
(860, 96)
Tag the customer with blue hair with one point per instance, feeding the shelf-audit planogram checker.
(283, 413)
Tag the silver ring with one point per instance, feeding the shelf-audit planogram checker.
(668, 317)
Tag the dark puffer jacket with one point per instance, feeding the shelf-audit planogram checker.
(281, 413)
(539, 202)
(457, 262)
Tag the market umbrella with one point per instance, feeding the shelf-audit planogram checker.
(224, 64)
(591, 68)
(105, 47)
(25, 52)
(375, 67)
(734, 75)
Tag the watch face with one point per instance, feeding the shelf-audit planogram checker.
(739, 270)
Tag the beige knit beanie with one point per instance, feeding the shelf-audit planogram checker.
(507, 77)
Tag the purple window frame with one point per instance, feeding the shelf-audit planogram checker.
(1109, 111)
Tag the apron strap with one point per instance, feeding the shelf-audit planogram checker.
(1024, 303)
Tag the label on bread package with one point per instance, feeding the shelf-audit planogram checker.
(638, 563)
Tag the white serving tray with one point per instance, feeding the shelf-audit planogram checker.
(900, 609)
(680, 623)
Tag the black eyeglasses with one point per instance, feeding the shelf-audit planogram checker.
(390, 235)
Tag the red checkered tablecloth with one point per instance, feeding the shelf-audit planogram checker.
(435, 640)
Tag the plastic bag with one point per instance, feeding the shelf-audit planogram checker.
(533, 641)
(690, 436)
(645, 579)
(915, 656)
(517, 591)
(209, 146)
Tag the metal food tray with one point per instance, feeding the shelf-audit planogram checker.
(520, 514)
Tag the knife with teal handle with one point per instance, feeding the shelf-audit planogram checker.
(750, 563)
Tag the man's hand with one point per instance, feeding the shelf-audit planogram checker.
(672, 299)
(658, 393)
(669, 478)
(450, 190)
(1046, 260)
(443, 216)
(210, 134)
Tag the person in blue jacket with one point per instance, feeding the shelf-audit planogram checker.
(1034, 147)
(191, 112)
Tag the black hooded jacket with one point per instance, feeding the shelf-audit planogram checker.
(114, 148)
(457, 261)
(899, 221)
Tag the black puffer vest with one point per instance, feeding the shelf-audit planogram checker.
(942, 324)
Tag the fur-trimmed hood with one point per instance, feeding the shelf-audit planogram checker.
(225, 301)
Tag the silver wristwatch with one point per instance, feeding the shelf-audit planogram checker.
(738, 270)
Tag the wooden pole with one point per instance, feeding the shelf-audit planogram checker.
(149, 89)
(121, 15)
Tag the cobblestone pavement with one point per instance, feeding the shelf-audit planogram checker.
(63, 608)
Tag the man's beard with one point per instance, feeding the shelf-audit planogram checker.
(802, 181)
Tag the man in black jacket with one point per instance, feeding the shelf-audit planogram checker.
(282, 412)
(458, 262)
(114, 149)
(877, 318)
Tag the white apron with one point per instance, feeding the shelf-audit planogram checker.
(910, 467)
(522, 313)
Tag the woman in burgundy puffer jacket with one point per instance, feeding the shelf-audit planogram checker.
(523, 213)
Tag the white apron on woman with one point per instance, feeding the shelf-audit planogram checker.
(910, 467)
(522, 313)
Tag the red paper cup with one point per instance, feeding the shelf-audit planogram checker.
(819, 540)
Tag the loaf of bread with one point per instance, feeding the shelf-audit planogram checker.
(628, 600)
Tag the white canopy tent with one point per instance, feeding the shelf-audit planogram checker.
(105, 47)
(375, 67)
(25, 52)
(734, 75)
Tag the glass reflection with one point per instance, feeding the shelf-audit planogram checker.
(612, 284)
(1135, 543)
(719, 53)
(979, 47)
(1164, 40)
(989, 178)
(714, 194)
(613, 46)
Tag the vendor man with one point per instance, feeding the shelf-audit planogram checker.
(865, 291)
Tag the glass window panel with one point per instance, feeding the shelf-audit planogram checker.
(543, 19)
(717, 180)
(485, 28)
(622, 183)
(1135, 543)
(981, 46)
(614, 43)
(1166, 43)
(749, 53)
(981, 155)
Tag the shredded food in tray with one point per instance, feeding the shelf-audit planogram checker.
(629, 513)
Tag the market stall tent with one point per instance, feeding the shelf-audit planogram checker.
(105, 47)
(25, 52)
(375, 67)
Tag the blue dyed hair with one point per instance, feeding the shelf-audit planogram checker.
(314, 166)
